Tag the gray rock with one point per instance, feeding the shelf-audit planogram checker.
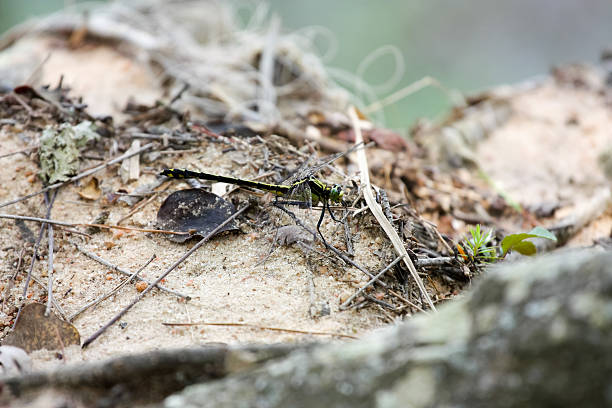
(537, 333)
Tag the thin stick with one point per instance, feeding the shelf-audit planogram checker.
(179, 94)
(139, 207)
(435, 228)
(123, 271)
(50, 270)
(19, 262)
(379, 302)
(121, 227)
(21, 102)
(377, 211)
(79, 176)
(112, 292)
(149, 136)
(11, 282)
(27, 149)
(254, 326)
(409, 303)
(348, 301)
(34, 254)
(435, 261)
(70, 224)
(163, 275)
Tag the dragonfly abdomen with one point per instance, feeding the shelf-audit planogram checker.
(184, 174)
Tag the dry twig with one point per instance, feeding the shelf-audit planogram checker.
(104, 226)
(254, 326)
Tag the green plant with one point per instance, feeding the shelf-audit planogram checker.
(518, 243)
(478, 247)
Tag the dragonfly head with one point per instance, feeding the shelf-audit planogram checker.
(336, 193)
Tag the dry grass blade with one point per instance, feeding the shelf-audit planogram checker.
(377, 210)
(422, 83)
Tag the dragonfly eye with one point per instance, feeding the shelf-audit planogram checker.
(336, 193)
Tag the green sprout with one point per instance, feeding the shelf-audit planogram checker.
(478, 247)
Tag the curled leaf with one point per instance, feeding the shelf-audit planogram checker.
(91, 190)
(195, 211)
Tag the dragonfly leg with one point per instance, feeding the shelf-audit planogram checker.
(320, 221)
(331, 212)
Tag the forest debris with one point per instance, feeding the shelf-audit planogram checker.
(195, 211)
(370, 282)
(91, 191)
(59, 150)
(35, 331)
(78, 176)
(130, 168)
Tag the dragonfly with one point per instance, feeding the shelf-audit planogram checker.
(303, 187)
(309, 190)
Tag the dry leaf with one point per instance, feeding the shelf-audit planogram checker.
(35, 331)
(91, 190)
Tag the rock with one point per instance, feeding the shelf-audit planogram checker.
(536, 333)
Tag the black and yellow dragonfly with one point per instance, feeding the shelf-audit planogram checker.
(308, 190)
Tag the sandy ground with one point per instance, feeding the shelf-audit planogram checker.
(223, 278)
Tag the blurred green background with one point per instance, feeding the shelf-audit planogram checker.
(468, 45)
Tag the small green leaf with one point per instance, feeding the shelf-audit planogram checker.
(543, 233)
(510, 242)
(525, 248)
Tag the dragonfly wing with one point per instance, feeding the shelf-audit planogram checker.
(300, 194)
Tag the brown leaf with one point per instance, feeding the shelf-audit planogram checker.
(35, 331)
(91, 190)
(388, 139)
